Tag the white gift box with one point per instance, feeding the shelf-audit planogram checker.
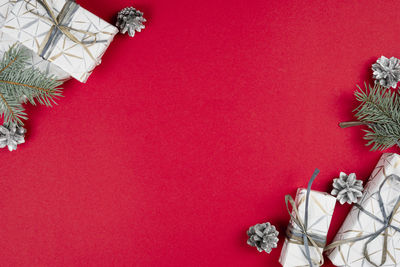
(320, 210)
(359, 224)
(62, 32)
(35, 61)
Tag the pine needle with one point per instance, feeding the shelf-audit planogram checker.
(379, 110)
(20, 83)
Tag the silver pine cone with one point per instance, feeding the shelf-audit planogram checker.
(130, 20)
(263, 236)
(347, 188)
(11, 136)
(386, 71)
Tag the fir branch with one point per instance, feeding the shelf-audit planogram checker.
(13, 110)
(9, 64)
(21, 83)
(379, 110)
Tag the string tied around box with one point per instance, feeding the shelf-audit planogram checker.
(59, 26)
(301, 234)
(386, 222)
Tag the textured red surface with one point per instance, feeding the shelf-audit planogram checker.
(193, 131)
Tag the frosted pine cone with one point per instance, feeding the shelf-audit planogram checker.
(386, 71)
(11, 136)
(347, 188)
(130, 20)
(263, 236)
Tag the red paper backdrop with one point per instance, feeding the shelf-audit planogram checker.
(193, 131)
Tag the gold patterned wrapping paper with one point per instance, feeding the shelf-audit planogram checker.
(62, 32)
(5, 8)
(320, 211)
(35, 61)
(359, 224)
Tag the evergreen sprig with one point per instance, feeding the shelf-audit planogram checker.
(379, 110)
(20, 84)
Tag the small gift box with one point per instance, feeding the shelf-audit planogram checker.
(61, 32)
(370, 234)
(34, 60)
(308, 227)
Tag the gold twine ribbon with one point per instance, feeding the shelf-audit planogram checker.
(294, 237)
(56, 23)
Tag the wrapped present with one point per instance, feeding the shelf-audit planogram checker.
(370, 234)
(306, 234)
(34, 60)
(61, 32)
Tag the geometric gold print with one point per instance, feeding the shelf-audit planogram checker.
(30, 24)
(34, 60)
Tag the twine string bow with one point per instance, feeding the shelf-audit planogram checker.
(306, 238)
(58, 26)
(386, 222)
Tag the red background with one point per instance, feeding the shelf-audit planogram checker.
(193, 131)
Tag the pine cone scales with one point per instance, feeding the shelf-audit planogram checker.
(11, 136)
(386, 71)
(347, 188)
(263, 236)
(130, 20)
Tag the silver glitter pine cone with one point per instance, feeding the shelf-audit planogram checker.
(386, 72)
(263, 236)
(11, 136)
(130, 20)
(347, 188)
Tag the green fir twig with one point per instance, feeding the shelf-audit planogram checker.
(20, 84)
(379, 111)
